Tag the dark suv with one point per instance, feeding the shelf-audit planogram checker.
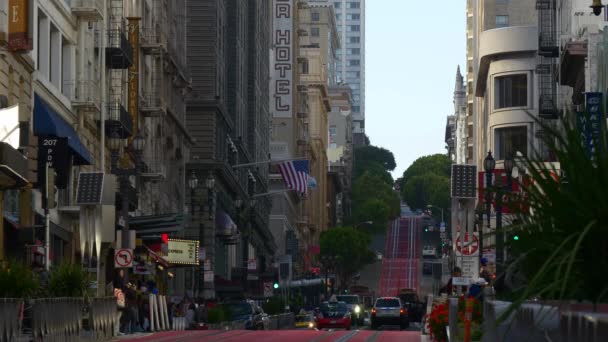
(389, 311)
(250, 313)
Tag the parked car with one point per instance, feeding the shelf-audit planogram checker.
(412, 304)
(249, 312)
(389, 311)
(306, 320)
(355, 307)
(333, 315)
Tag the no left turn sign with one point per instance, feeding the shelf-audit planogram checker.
(123, 258)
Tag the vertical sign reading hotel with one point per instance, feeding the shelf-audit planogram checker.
(134, 74)
(17, 25)
(282, 65)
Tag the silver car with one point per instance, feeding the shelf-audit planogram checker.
(389, 311)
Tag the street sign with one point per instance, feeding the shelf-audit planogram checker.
(268, 290)
(468, 247)
(469, 266)
(463, 181)
(54, 152)
(123, 258)
(461, 281)
(442, 227)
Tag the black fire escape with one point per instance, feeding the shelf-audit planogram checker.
(548, 52)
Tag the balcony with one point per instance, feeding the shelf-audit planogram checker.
(155, 171)
(119, 53)
(83, 94)
(90, 10)
(150, 104)
(152, 40)
(119, 121)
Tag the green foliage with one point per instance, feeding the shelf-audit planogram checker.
(69, 280)
(365, 166)
(562, 251)
(17, 281)
(427, 181)
(425, 189)
(274, 306)
(376, 154)
(374, 200)
(349, 249)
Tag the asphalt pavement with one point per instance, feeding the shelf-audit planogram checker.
(278, 335)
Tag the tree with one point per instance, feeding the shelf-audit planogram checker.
(376, 154)
(374, 200)
(427, 181)
(372, 167)
(348, 250)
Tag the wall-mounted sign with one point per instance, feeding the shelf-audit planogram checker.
(18, 39)
(281, 84)
(53, 151)
(590, 123)
(183, 252)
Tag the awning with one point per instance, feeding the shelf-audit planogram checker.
(156, 224)
(48, 122)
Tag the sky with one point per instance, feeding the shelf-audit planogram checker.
(412, 51)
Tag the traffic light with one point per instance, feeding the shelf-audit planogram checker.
(426, 229)
(275, 285)
(516, 237)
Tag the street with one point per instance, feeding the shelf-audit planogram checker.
(278, 335)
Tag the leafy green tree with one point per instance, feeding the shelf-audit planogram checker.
(374, 200)
(376, 154)
(427, 181)
(422, 190)
(348, 250)
(372, 167)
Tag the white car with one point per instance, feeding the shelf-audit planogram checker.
(389, 311)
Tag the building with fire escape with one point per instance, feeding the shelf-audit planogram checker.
(228, 115)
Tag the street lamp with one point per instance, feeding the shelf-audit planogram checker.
(597, 7)
(364, 222)
(210, 184)
(488, 164)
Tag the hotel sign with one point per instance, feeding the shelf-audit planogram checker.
(133, 105)
(17, 26)
(183, 252)
(590, 123)
(281, 101)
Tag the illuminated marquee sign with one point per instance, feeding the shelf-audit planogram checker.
(183, 252)
(281, 102)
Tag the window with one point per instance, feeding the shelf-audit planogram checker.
(354, 5)
(353, 51)
(353, 74)
(353, 16)
(356, 109)
(511, 91)
(314, 16)
(502, 21)
(305, 66)
(338, 17)
(353, 28)
(314, 31)
(510, 140)
(337, 4)
(354, 62)
(332, 134)
(354, 39)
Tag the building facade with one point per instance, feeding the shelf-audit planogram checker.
(350, 64)
(227, 114)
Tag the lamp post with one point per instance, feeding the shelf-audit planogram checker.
(500, 235)
(489, 164)
(115, 143)
(597, 7)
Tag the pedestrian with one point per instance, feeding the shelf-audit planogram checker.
(476, 289)
(484, 272)
(449, 288)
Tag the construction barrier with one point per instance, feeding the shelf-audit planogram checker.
(103, 318)
(57, 319)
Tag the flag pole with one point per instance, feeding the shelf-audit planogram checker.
(267, 162)
(278, 192)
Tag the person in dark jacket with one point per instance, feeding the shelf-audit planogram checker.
(449, 288)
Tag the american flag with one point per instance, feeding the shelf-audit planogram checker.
(295, 175)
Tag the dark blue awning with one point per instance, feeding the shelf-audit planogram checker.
(49, 122)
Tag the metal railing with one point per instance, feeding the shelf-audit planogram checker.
(83, 93)
(10, 310)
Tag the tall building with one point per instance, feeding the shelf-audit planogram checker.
(350, 66)
(228, 115)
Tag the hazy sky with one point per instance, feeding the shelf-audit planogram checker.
(412, 51)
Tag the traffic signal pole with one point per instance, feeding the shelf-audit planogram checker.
(47, 220)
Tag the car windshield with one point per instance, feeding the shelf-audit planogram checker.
(348, 299)
(333, 310)
(239, 309)
(387, 303)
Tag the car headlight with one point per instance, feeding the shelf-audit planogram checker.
(357, 309)
(311, 325)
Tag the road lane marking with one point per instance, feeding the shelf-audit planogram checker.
(347, 336)
(374, 337)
